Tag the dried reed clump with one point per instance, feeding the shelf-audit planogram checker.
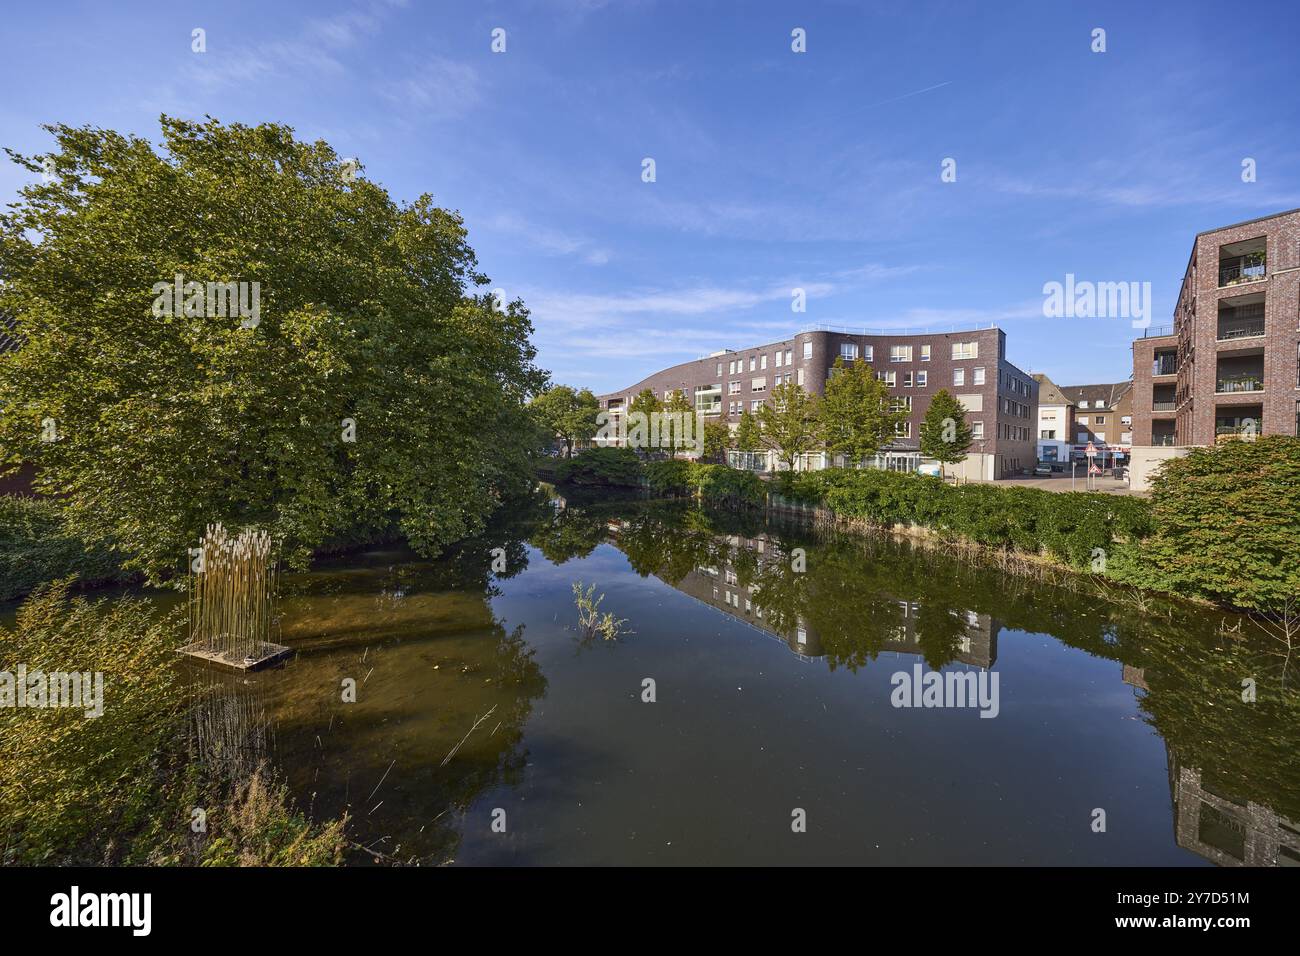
(232, 597)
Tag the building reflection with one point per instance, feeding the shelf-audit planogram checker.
(723, 584)
(1216, 824)
(1225, 830)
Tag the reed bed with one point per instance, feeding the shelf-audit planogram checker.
(232, 599)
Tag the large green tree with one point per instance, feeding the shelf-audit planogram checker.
(748, 437)
(567, 413)
(370, 386)
(788, 423)
(855, 414)
(945, 434)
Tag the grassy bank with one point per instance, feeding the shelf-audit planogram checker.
(124, 787)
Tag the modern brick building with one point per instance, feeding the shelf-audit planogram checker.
(1001, 400)
(1229, 364)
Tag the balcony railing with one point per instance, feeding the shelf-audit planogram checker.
(1245, 268)
(1162, 439)
(1162, 406)
(1164, 366)
(1240, 329)
(1240, 383)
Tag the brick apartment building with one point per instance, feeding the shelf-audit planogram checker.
(1229, 363)
(1001, 400)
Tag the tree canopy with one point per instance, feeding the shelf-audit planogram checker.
(855, 414)
(567, 413)
(945, 434)
(788, 424)
(371, 386)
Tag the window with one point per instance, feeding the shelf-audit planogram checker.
(719, 369)
(1047, 433)
(1083, 420)
(751, 363)
(901, 404)
(733, 388)
(903, 429)
(758, 384)
(979, 375)
(762, 362)
(959, 376)
(800, 376)
(849, 351)
(1100, 420)
(1101, 437)
(921, 379)
(788, 353)
(755, 405)
(907, 380)
(776, 359)
(976, 429)
(889, 378)
(965, 350)
(807, 350)
(925, 353)
(1084, 403)
(900, 353)
(1126, 420)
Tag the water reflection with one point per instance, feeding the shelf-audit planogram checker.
(446, 724)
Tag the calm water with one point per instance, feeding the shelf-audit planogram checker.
(476, 694)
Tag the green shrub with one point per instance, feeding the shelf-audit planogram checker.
(671, 476)
(719, 484)
(35, 547)
(1070, 527)
(118, 789)
(1225, 526)
(617, 467)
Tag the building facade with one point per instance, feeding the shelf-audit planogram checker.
(1001, 401)
(1055, 422)
(1229, 364)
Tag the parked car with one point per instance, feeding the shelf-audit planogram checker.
(1043, 470)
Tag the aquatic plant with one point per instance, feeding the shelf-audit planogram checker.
(591, 622)
(232, 596)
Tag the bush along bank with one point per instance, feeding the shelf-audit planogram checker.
(1222, 525)
(1080, 530)
(713, 484)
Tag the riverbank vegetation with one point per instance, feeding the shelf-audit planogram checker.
(124, 787)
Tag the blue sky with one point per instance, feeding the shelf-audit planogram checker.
(775, 170)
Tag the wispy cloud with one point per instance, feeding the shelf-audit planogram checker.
(439, 88)
(552, 242)
(314, 50)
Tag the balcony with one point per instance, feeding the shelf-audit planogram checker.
(1239, 383)
(1241, 262)
(1165, 363)
(1162, 406)
(1241, 318)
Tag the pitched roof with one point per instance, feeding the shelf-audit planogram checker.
(1049, 393)
(1109, 394)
